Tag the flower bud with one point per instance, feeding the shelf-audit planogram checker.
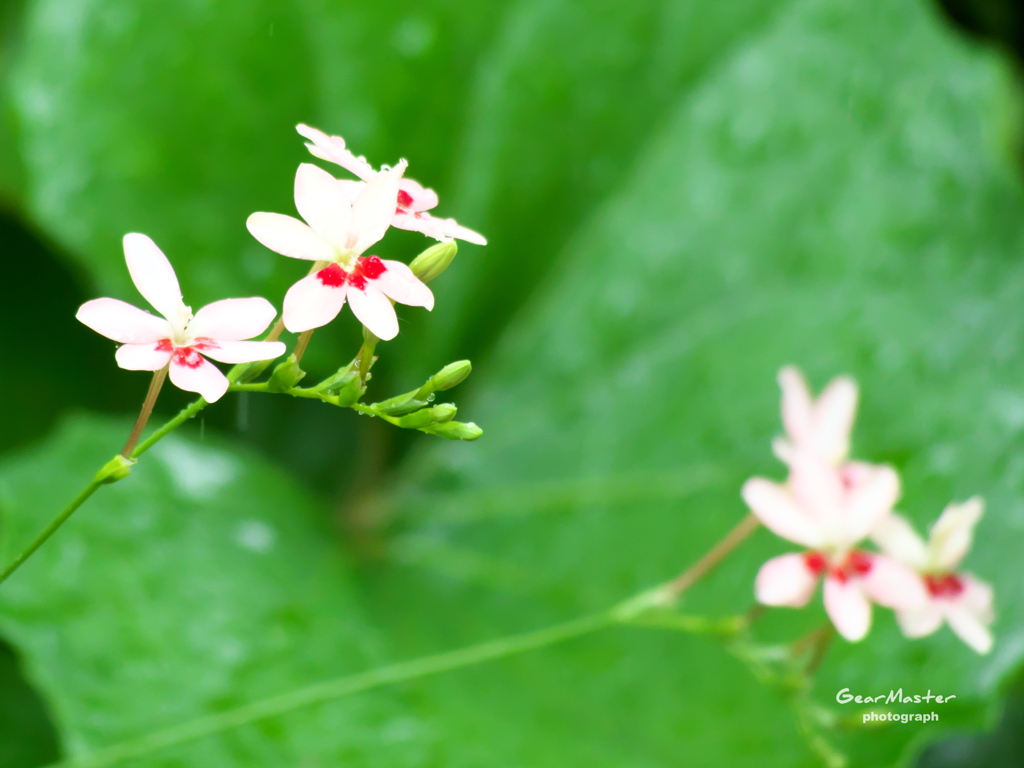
(448, 377)
(350, 389)
(451, 375)
(444, 412)
(118, 468)
(457, 430)
(433, 261)
(418, 419)
(285, 376)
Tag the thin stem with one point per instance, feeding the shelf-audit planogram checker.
(301, 344)
(275, 332)
(821, 645)
(714, 556)
(56, 523)
(184, 415)
(365, 356)
(340, 687)
(147, 408)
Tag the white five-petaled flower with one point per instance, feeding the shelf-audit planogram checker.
(179, 339)
(819, 429)
(829, 510)
(412, 201)
(960, 599)
(342, 220)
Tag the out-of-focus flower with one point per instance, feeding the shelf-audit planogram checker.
(342, 220)
(829, 510)
(959, 599)
(816, 429)
(179, 339)
(412, 201)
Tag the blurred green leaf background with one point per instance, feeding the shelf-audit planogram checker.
(680, 198)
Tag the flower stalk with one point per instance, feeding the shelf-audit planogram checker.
(155, 385)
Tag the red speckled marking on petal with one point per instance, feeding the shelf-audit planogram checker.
(332, 276)
(816, 562)
(370, 267)
(404, 200)
(857, 563)
(187, 357)
(204, 342)
(943, 584)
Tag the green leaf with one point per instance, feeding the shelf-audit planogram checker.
(556, 121)
(11, 170)
(179, 121)
(203, 581)
(28, 735)
(829, 195)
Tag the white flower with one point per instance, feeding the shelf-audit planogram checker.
(819, 429)
(412, 201)
(830, 510)
(184, 342)
(342, 220)
(959, 599)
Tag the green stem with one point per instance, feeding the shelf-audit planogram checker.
(184, 415)
(343, 686)
(56, 523)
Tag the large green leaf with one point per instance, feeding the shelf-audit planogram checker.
(178, 121)
(830, 195)
(205, 580)
(564, 102)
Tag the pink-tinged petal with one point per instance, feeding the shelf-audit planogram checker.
(152, 274)
(869, 503)
(898, 539)
(797, 405)
(969, 627)
(951, 536)
(244, 351)
(373, 309)
(834, 413)
(920, 623)
(894, 585)
(818, 489)
(776, 508)
(848, 607)
(232, 319)
(414, 197)
(439, 229)
(332, 149)
(311, 303)
(374, 209)
(400, 284)
(977, 597)
(289, 237)
(143, 357)
(194, 373)
(785, 580)
(122, 322)
(323, 202)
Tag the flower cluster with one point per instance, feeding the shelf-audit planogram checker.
(341, 220)
(830, 504)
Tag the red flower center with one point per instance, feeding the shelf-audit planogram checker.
(366, 268)
(856, 563)
(404, 200)
(943, 584)
(189, 356)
